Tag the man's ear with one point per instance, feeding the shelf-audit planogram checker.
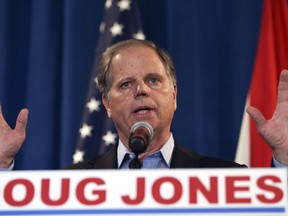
(175, 95)
(106, 103)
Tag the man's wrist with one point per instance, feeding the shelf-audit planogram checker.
(277, 164)
(8, 168)
(281, 156)
(5, 162)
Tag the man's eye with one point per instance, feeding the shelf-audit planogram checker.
(125, 84)
(153, 80)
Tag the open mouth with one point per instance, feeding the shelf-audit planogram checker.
(143, 110)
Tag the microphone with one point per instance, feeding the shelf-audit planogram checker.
(140, 135)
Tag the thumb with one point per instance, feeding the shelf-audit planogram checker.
(256, 115)
(21, 121)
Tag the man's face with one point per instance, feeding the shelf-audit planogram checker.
(140, 91)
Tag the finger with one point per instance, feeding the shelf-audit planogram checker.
(1, 114)
(21, 121)
(256, 115)
(3, 122)
(283, 87)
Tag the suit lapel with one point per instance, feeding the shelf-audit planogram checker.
(108, 160)
(183, 159)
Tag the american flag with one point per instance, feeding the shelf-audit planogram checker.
(97, 132)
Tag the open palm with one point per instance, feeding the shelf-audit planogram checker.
(11, 140)
(275, 130)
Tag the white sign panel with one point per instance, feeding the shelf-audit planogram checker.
(151, 192)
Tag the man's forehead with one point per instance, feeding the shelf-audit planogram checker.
(135, 52)
(134, 48)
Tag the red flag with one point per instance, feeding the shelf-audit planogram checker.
(271, 59)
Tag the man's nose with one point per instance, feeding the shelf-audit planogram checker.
(141, 90)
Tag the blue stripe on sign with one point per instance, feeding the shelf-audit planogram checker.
(146, 211)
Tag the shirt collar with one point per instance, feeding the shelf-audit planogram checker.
(166, 151)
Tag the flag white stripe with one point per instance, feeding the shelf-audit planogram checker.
(243, 147)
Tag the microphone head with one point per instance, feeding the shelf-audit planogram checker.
(141, 134)
(143, 124)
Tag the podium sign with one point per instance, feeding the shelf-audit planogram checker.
(145, 192)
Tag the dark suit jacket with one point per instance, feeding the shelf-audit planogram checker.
(181, 158)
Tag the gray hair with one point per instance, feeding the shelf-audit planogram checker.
(105, 78)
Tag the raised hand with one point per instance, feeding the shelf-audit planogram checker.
(275, 130)
(11, 140)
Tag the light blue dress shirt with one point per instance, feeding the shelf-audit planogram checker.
(159, 159)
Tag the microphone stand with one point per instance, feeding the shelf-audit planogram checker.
(135, 163)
